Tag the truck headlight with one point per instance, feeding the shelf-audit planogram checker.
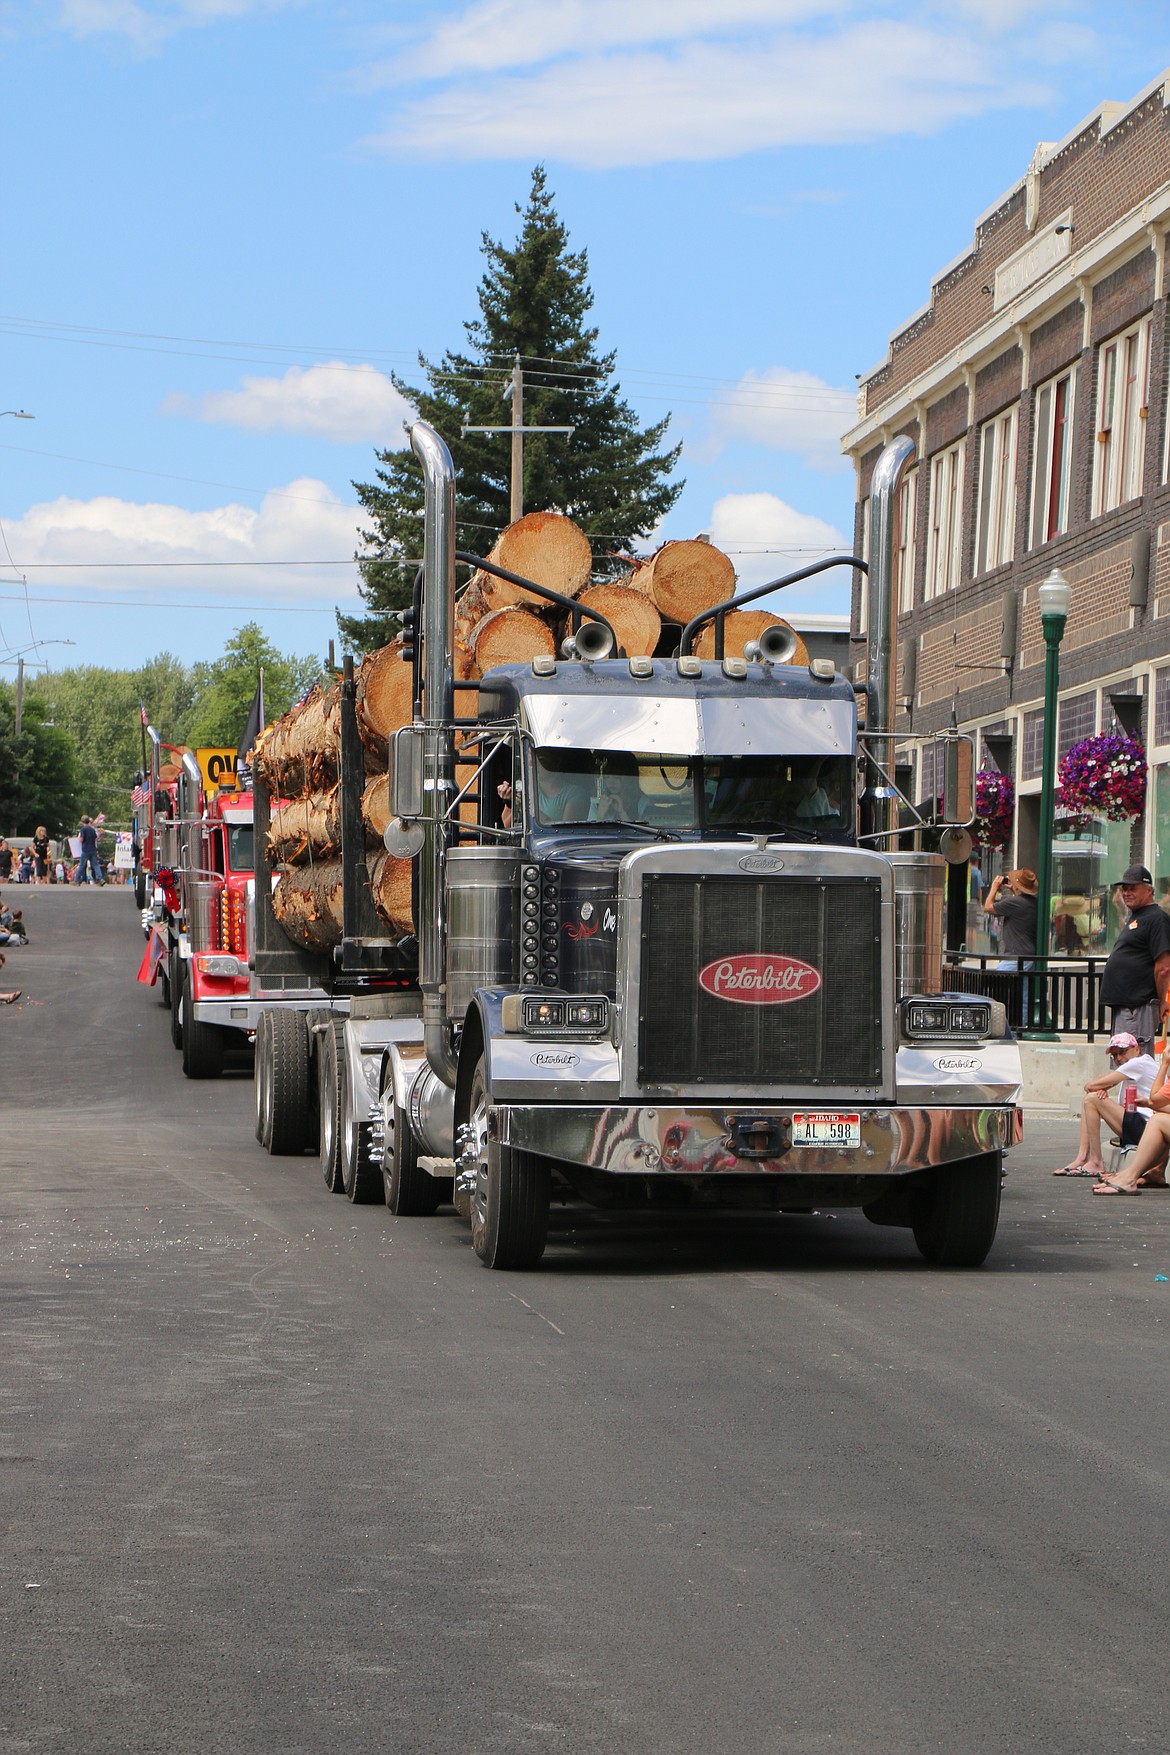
(212, 963)
(533, 1014)
(945, 1019)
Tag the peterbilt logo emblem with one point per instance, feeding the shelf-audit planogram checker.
(760, 862)
(555, 1057)
(958, 1063)
(759, 978)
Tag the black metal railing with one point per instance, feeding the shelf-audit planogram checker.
(1060, 993)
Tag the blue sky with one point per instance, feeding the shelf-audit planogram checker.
(224, 221)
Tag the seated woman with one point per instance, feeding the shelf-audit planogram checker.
(1147, 1167)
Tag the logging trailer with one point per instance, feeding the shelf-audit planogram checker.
(676, 958)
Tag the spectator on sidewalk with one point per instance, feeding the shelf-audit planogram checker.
(40, 847)
(5, 861)
(1128, 1067)
(1136, 978)
(88, 836)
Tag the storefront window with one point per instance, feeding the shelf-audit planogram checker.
(1162, 831)
(1086, 864)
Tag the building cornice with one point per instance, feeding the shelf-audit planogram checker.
(1051, 292)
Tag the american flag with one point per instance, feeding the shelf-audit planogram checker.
(140, 795)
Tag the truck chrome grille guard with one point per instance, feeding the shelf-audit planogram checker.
(691, 1036)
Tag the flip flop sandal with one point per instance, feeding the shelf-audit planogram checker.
(10, 998)
(1107, 1187)
(1074, 1170)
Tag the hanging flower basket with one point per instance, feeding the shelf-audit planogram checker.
(995, 804)
(1103, 777)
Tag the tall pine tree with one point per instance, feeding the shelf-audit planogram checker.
(611, 475)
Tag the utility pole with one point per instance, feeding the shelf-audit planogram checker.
(19, 694)
(516, 506)
(515, 393)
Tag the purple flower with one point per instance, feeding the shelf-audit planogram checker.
(1103, 777)
(995, 803)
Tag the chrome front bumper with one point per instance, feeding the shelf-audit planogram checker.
(631, 1140)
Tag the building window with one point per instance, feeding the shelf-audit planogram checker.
(1076, 718)
(944, 549)
(1162, 706)
(905, 551)
(994, 540)
(1051, 458)
(1122, 369)
(1032, 744)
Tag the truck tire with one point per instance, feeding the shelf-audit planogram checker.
(331, 1101)
(202, 1043)
(262, 1083)
(140, 891)
(410, 1192)
(361, 1181)
(289, 1074)
(509, 1208)
(956, 1225)
(175, 978)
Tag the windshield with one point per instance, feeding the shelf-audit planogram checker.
(809, 795)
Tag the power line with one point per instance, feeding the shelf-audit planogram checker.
(175, 345)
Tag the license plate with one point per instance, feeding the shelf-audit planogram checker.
(826, 1127)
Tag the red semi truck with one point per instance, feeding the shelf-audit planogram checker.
(198, 879)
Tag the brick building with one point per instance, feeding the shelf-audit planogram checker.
(1034, 385)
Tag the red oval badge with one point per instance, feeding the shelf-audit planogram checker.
(758, 978)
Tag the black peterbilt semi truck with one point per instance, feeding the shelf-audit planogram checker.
(666, 951)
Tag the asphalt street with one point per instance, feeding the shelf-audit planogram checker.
(278, 1473)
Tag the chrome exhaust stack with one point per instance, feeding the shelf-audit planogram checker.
(438, 758)
(880, 800)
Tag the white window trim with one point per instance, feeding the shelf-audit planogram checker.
(944, 548)
(996, 512)
(1123, 388)
(1041, 510)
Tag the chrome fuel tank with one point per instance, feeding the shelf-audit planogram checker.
(483, 894)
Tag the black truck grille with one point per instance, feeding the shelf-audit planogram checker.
(769, 981)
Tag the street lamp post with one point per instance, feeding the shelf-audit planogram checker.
(1055, 595)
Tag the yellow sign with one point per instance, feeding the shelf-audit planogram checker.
(218, 768)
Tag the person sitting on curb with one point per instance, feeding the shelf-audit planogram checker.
(8, 998)
(1147, 1167)
(1129, 1067)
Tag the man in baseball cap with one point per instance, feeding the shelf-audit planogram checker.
(1127, 1066)
(1137, 976)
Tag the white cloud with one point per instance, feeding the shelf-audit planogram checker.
(766, 537)
(351, 404)
(713, 100)
(494, 34)
(303, 521)
(788, 411)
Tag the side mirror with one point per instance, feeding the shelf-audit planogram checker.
(958, 787)
(407, 771)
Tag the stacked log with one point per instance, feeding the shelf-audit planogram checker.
(630, 613)
(684, 578)
(742, 625)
